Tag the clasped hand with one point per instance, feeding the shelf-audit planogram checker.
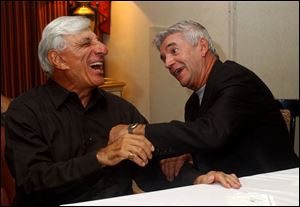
(122, 145)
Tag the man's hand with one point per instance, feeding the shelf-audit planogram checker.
(226, 180)
(171, 166)
(122, 129)
(134, 147)
(117, 132)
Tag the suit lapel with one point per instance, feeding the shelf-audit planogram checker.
(192, 107)
(210, 87)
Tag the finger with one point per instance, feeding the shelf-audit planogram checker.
(162, 162)
(131, 156)
(139, 154)
(233, 181)
(235, 177)
(125, 145)
(141, 143)
(178, 166)
(163, 166)
(171, 170)
(121, 148)
(129, 145)
(223, 179)
(140, 149)
(138, 161)
(166, 170)
(145, 141)
(228, 181)
(205, 179)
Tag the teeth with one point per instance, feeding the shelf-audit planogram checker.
(178, 70)
(97, 64)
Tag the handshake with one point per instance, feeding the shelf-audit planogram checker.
(123, 144)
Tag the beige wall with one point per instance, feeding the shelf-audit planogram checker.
(130, 42)
(128, 58)
(263, 36)
(268, 43)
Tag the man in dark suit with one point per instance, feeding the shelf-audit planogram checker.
(231, 123)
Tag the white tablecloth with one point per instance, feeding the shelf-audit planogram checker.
(275, 188)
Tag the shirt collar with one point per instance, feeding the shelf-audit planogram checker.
(200, 93)
(59, 94)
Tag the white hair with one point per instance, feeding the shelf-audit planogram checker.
(191, 30)
(52, 37)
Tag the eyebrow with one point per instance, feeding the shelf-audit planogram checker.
(86, 39)
(82, 41)
(171, 44)
(163, 57)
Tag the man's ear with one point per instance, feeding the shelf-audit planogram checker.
(56, 60)
(203, 46)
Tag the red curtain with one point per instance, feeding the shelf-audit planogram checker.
(104, 15)
(22, 23)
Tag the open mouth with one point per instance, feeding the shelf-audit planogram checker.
(97, 66)
(178, 71)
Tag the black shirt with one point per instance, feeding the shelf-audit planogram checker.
(52, 142)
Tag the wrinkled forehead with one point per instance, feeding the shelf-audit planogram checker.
(80, 35)
(172, 40)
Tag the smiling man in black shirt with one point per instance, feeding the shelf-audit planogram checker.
(57, 133)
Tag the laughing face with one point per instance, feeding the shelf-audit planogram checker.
(83, 61)
(182, 59)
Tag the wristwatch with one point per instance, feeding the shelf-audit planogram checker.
(131, 127)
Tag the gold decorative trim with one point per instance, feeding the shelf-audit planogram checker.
(113, 86)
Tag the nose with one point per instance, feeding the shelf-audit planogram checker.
(101, 49)
(169, 61)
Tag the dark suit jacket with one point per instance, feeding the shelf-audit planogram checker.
(237, 129)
